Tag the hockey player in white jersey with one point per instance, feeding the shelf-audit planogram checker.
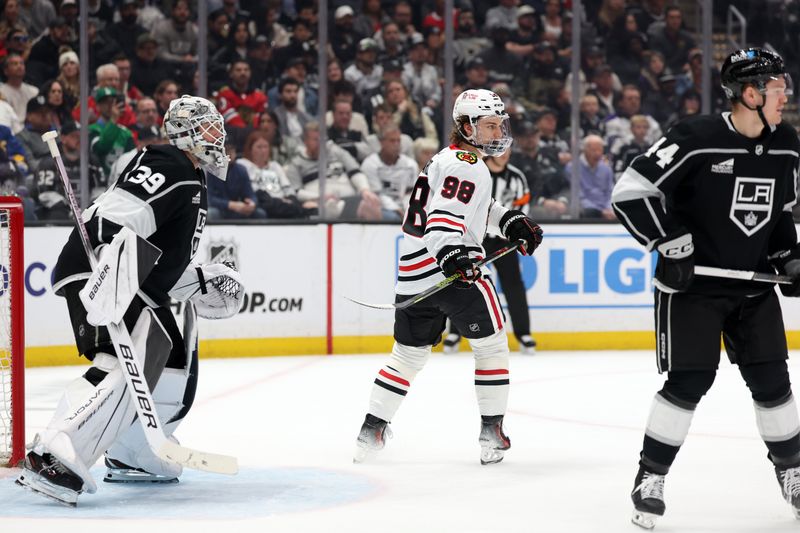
(448, 214)
(157, 206)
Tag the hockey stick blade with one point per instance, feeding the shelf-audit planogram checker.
(747, 275)
(442, 284)
(197, 460)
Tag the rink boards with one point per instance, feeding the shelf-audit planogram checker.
(588, 287)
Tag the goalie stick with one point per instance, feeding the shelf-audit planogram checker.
(442, 284)
(742, 274)
(131, 363)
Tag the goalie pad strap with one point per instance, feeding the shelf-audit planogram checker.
(202, 280)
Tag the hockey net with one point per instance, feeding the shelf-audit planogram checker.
(12, 339)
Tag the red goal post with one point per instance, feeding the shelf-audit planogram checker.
(12, 332)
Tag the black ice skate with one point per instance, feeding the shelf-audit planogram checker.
(648, 498)
(493, 441)
(789, 479)
(371, 438)
(451, 343)
(527, 345)
(119, 472)
(45, 475)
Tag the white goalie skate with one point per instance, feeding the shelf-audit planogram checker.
(648, 498)
(119, 472)
(371, 438)
(789, 479)
(494, 442)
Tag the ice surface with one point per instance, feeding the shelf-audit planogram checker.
(575, 420)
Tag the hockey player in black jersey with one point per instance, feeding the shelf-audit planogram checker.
(448, 214)
(160, 197)
(718, 191)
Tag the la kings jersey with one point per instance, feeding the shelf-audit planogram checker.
(451, 204)
(161, 197)
(732, 193)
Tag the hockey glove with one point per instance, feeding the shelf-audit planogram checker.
(456, 260)
(516, 226)
(214, 288)
(675, 269)
(788, 262)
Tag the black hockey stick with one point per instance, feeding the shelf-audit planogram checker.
(442, 284)
(132, 367)
(742, 274)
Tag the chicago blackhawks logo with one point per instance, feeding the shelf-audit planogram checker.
(751, 207)
(467, 157)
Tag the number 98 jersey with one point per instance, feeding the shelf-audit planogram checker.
(162, 197)
(451, 204)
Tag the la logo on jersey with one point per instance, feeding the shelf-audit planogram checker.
(751, 207)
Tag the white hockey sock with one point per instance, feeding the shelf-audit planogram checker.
(491, 373)
(777, 423)
(668, 423)
(394, 379)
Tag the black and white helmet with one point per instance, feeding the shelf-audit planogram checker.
(193, 124)
(752, 66)
(474, 104)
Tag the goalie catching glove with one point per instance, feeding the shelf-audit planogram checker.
(517, 226)
(215, 289)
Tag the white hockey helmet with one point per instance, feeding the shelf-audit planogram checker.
(193, 124)
(475, 104)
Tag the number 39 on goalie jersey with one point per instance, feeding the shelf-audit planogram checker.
(451, 204)
(161, 196)
(734, 195)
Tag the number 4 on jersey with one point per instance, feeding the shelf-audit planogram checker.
(664, 155)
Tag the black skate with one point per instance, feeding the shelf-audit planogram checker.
(789, 479)
(493, 441)
(371, 438)
(45, 475)
(119, 472)
(648, 498)
(451, 343)
(527, 345)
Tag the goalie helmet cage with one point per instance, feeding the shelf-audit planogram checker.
(12, 332)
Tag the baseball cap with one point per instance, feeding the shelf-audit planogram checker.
(343, 11)
(417, 39)
(476, 62)
(69, 2)
(366, 44)
(35, 104)
(104, 92)
(70, 126)
(527, 128)
(392, 65)
(59, 22)
(525, 10)
(144, 39)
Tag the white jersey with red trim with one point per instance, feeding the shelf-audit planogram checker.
(451, 204)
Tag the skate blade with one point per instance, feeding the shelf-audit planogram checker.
(136, 477)
(490, 456)
(44, 488)
(643, 519)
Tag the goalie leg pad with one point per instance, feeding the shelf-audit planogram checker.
(96, 407)
(394, 379)
(174, 395)
(491, 373)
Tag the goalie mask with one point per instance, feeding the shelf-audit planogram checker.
(473, 107)
(193, 124)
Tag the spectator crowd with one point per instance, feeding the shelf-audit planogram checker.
(640, 74)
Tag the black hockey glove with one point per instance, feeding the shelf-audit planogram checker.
(788, 262)
(675, 269)
(456, 260)
(516, 226)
